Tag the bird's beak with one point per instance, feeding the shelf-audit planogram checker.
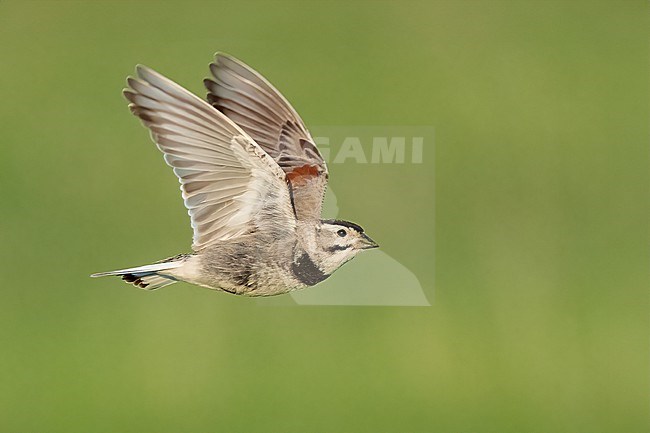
(367, 243)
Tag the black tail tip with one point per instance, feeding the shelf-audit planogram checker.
(136, 281)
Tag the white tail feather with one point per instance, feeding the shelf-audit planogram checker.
(146, 277)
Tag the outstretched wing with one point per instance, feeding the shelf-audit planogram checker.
(259, 109)
(229, 184)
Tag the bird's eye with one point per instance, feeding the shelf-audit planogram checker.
(341, 233)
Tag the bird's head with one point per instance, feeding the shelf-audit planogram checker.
(339, 241)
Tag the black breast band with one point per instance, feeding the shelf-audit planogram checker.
(306, 271)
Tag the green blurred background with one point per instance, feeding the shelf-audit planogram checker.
(539, 321)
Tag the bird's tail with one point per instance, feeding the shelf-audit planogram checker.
(149, 277)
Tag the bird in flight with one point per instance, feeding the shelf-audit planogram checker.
(253, 182)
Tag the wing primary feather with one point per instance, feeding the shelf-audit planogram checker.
(227, 181)
(264, 113)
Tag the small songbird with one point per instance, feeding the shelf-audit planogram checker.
(252, 180)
